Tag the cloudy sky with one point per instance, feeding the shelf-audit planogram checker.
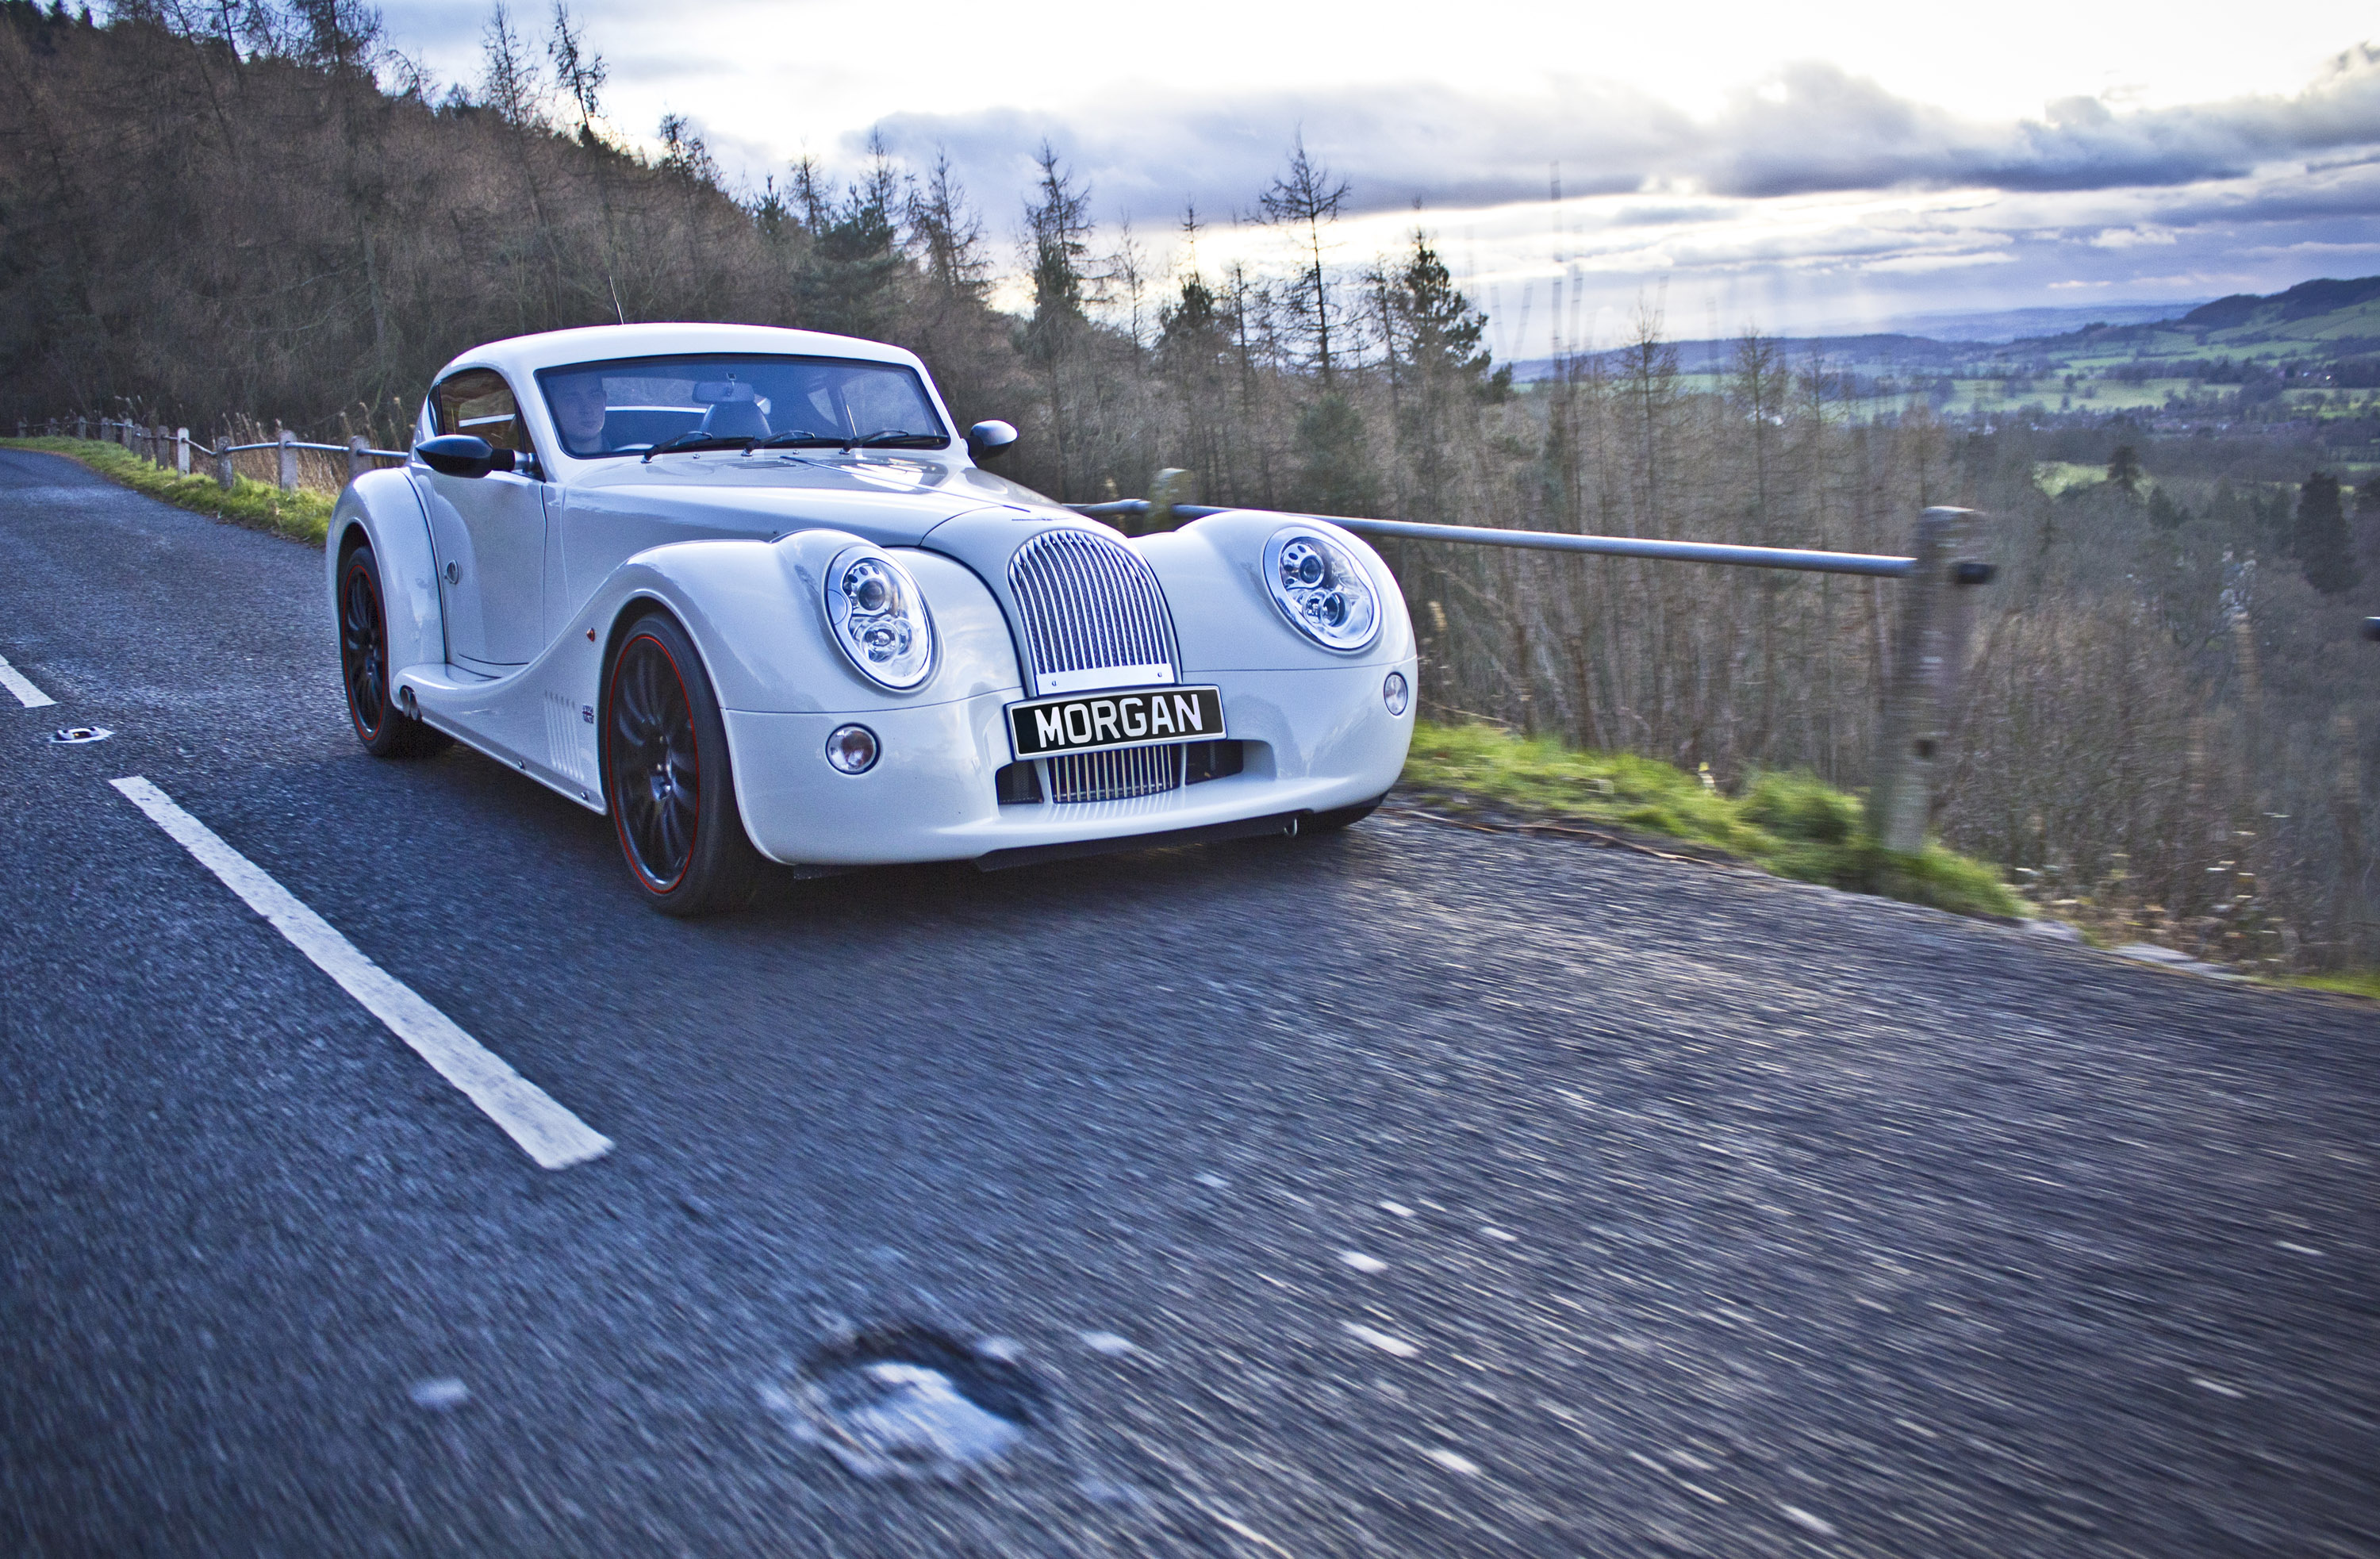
(1798, 166)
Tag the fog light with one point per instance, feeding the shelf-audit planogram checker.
(1395, 693)
(852, 749)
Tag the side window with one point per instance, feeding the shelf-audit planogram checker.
(477, 401)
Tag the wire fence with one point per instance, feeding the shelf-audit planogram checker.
(285, 460)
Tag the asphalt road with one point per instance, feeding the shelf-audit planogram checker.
(1407, 1191)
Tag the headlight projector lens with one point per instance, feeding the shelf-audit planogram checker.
(852, 749)
(1322, 590)
(1395, 693)
(876, 615)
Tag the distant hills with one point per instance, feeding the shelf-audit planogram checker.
(1997, 326)
(2314, 323)
(2307, 300)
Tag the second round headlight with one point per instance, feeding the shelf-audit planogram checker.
(876, 616)
(1321, 588)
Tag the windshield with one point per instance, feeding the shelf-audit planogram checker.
(638, 405)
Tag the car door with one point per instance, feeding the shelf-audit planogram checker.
(489, 532)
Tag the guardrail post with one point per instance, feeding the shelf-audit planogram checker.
(182, 450)
(289, 471)
(358, 464)
(1922, 679)
(224, 472)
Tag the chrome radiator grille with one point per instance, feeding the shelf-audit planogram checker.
(1085, 602)
(1113, 776)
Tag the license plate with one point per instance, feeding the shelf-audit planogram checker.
(1114, 717)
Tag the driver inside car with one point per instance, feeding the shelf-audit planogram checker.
(580, 407)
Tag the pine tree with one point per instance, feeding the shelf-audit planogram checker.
(2322, 543)
(2124, 469)
(1445, 371)
(849, 281)
(1337, 475)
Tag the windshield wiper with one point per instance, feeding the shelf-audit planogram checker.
(799, 438)
(692, 441)
(897, 438)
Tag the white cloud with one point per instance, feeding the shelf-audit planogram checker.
(1771, 160)
(2133, 237)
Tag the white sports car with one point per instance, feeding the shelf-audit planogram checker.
(744, 591)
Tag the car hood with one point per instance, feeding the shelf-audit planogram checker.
(891, 501)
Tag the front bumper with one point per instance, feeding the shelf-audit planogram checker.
(1320, 738)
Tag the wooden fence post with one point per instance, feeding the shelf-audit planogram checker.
(1922, 679)
(182, 450)
(224, 472)
(357, 462)
(82, 427)
(288, 454)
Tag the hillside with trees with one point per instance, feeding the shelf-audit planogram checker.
(2169, 723)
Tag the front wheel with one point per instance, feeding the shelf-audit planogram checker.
(386, 730)
(667, 778)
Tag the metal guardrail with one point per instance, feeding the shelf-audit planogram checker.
(1920, 684)
(1874, 565)
(160, 446)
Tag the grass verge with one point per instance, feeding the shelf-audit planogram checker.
(2349, 983)
(1792, 825)
(302, 516)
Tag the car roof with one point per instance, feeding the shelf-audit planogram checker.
(522, 355)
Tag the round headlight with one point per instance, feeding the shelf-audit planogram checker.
(1322, 590)
(877, 615)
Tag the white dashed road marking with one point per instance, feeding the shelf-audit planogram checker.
(547, 1132)
(20, 684)
(1383, 1341)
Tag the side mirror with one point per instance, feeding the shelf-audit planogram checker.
(987, 440)
(463, 455)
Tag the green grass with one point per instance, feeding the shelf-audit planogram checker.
(2054, 477)
(1792, 825)
(2351, 982)
(303, 516)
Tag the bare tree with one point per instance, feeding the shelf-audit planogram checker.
(1305, 195)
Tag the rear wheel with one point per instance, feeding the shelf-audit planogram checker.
(386, 730)
(667, 778)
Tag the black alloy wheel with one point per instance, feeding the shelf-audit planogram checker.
(667, 778)
(385, 731)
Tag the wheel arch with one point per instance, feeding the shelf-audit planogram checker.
(381, 511)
